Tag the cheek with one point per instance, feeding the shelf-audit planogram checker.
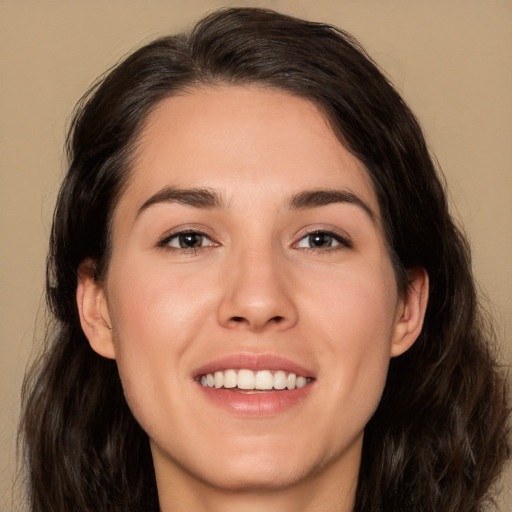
(156, 306)
(155, 317)
(356, 322)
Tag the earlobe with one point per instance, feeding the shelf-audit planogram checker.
(411, 312)
(93, 311)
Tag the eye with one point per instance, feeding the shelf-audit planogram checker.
(187, 240)
(322, 240)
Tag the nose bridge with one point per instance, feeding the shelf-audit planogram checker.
(256, 295)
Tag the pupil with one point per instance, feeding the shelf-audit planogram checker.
(320, 240)
(190, 240)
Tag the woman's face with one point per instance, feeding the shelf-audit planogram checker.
(248, 251)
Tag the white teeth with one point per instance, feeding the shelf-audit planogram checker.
(280, 380)
(262, 380)
(218, 379)
(300, 382)
(245, 379)
(290, 381)
(230, 379)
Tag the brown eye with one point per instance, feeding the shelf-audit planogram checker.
(190, 240)
(187, 240)
(319, 240)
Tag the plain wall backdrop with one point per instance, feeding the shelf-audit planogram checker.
(450, 59)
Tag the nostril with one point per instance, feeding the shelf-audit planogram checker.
(273, 320)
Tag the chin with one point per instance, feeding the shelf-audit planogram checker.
(272, 466)
(255, 476)
(266, 469)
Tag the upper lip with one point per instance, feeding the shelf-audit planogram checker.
(253, 362)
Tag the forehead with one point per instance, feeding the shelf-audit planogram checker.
(239, 140)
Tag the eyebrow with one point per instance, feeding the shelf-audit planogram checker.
(205, 198)
(316, 198)
(195, 197)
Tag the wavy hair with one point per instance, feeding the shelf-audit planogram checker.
(438, 439)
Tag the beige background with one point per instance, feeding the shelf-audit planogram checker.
(452, 61)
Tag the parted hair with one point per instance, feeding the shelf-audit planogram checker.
(438, 439)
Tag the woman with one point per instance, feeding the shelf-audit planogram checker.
(261, 300)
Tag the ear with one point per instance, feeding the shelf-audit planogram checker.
(410, 312)
(93, 311)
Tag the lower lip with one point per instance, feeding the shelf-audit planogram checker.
(256, 404)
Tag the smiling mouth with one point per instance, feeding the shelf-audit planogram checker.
(247, 380)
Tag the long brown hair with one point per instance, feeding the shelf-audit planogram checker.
(438, 438)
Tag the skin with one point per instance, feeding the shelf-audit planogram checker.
(256, 285)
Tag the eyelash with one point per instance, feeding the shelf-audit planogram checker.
(165, 243)
(341, 241)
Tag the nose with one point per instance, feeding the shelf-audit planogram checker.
(257, 294)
